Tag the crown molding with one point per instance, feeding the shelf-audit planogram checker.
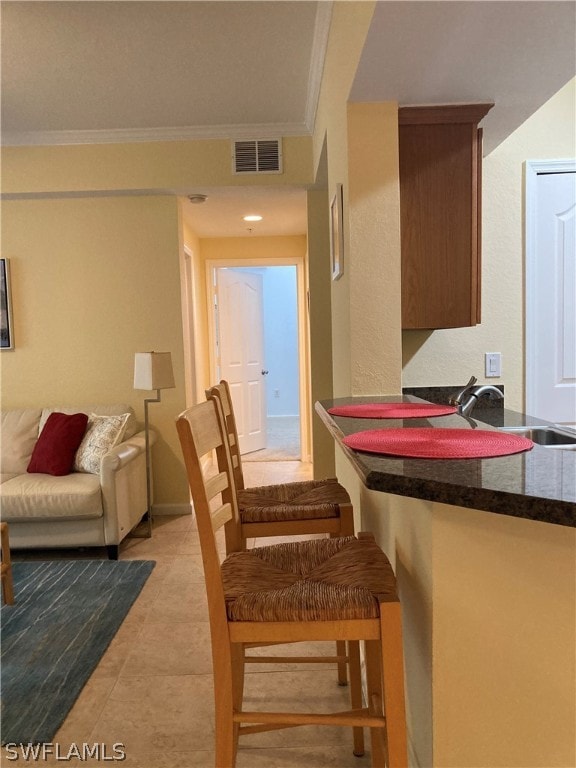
(130, 135)
(319, 46)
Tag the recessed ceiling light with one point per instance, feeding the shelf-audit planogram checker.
(252, 218)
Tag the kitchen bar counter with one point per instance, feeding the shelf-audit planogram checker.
(539, 484)
(487, 586)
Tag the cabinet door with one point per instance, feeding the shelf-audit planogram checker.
(440, 218)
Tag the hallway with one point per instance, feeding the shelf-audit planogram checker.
(282, 440)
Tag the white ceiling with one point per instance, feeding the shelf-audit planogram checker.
(513, 54)
(283, 210)
(200, 67)
(87, 70)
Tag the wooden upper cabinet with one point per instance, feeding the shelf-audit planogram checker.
(440, 205)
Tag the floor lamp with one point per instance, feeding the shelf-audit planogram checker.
(152, 370)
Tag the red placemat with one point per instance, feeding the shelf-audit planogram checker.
(438, 443)
(392, 410)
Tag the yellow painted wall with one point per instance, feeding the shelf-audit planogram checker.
(503, 634)
(449, 357)
(168, 165)
(349, 26)
(233, 248)
(348, 29)
(194, 314)
(374, 247)
(362, 154)
(320, 315)
(95, 280)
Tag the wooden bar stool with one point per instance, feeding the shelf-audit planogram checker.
(312, 506)
(288, 509)
(340, 588)
(7, 583)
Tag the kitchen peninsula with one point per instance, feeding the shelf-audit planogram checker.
(485, 555)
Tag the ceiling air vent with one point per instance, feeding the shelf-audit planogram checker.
(257, 156)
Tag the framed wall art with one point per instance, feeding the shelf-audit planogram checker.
(337, 233)
(6, 328)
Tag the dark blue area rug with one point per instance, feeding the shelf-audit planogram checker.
(65, 615)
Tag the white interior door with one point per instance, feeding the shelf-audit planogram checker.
(551, 291)
(241, 351)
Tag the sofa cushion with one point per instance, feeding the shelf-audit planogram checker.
(20, 430)
(57, 444)
(103, 433)
(50, 497)
(117, 409)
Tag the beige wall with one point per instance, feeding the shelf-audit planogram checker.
(350, 23)
(449, 357)
(320, 315)
(192, 311)
(168, 165)
(95, 280)
(374, 249)
(503, 636)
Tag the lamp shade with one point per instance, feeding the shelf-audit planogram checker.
(153, 370)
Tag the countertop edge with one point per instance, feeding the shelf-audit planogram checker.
(519, 505)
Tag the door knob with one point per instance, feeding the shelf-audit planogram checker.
(264, 373)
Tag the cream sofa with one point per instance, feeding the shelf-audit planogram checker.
(79, 509)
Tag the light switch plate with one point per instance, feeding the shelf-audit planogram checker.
(493, 365)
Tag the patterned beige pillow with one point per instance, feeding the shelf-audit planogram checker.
(102, 434)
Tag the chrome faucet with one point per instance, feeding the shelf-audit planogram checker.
(466, 399)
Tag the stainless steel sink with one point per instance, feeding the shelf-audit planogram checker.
(551, 437)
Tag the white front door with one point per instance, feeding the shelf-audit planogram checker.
(241, 351)
(551, 291)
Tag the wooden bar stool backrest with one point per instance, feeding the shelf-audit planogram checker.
(285, 509)
(222, 392)
(215, 503)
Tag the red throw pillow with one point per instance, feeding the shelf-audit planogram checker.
(56, 447)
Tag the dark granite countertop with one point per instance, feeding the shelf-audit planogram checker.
(539, 484)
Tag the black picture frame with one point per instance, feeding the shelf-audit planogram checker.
(6, 325)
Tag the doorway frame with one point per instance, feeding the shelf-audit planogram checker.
(532, 170)
(303, 368)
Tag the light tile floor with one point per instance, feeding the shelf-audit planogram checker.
(152, 691)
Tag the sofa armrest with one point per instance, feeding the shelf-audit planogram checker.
(123, 482)
(124, 452)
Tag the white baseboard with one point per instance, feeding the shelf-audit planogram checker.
(171, 509)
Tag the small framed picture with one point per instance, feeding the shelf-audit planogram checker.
(337, 233)
(6, 329)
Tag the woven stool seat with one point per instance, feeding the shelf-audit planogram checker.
(320, 580)
(316, 499)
